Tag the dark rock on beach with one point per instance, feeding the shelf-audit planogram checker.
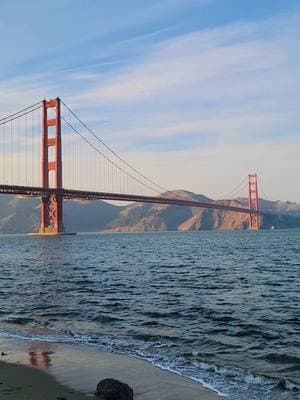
(112, 389)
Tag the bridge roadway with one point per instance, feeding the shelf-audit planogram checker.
(86, 195)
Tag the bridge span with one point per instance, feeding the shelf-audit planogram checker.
(87, 195)
(48, 152)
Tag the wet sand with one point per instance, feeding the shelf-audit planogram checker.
(72, 372)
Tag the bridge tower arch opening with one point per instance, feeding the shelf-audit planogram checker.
(254, 219)
(51, 168)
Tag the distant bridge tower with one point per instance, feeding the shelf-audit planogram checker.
(51, 205)
(254, 220)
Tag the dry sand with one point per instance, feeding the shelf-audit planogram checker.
(80, 368)
(25, 383)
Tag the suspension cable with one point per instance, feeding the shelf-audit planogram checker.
(238, 187)
(113, 152)
(8, 117)
(261, 188)
(15, 116)
(107, 158)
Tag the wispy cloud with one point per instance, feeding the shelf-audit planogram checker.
(238, 83)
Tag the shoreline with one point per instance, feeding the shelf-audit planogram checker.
(75, 370)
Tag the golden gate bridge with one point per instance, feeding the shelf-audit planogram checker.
(49, 152)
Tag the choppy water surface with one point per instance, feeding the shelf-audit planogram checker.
(220, 307)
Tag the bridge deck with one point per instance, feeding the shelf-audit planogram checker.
(86, 195)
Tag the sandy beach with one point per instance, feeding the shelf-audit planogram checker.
(41, 370)
(24, 383)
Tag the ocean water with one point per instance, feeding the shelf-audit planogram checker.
(219, 307)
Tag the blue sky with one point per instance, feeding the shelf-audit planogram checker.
(195, 93)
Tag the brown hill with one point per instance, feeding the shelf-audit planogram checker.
(141, 217)
(21, 215)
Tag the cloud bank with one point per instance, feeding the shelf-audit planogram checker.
(196, 111)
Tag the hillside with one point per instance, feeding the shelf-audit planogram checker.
(21, 215)
(141, 217)
(283, 207)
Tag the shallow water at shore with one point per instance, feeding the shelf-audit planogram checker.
(219, 307)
